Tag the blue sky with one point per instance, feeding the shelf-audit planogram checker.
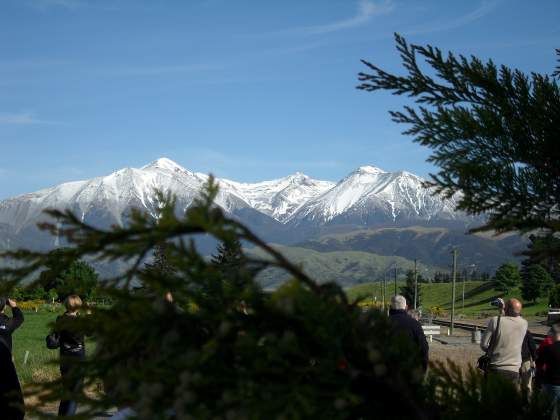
(248, 90)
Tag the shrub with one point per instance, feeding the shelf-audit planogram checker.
(554, 296)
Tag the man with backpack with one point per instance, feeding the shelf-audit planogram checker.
(503, 341)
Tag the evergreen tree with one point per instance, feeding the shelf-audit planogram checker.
(233, 268)
(160, 265)
(554, 297)
(485, 276)
(53, 295)
(537, 282)
(506, 277)
(542, 250)
(79, 278)
(229, 255)
(55, 263)
(493, 132)
(408, 290)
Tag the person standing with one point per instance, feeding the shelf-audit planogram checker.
(404, 323)
(71, 342)
(528, 357)
(9, 325)
(549, 377)
(12, 405)
(510, 330)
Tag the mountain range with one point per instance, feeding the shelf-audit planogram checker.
(296, 209)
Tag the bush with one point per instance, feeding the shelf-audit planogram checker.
(32, 305)
(554, 296)
(506, 277)
(437, 311)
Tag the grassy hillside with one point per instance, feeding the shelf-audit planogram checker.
(431, 245)
(478, 296)
(344, 267)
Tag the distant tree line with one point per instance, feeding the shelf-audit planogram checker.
(57, 281)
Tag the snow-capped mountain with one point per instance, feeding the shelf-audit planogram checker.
(279, 198)
(285, 210)
(109, 199)
(371, 196)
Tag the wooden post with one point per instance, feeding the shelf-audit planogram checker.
(383, 290)
(415, 284)
(463, 300)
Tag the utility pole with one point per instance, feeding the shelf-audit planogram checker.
(415, 284)
(383, 290)
(463, 301)
(453, 289)
(395, 281)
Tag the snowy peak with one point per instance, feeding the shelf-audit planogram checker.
(108, 199)
(164, 164)
(370, 195)
(279, 198)
(368, 170)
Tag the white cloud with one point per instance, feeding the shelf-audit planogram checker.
(22, 118)
(484, 9)
(366, 11)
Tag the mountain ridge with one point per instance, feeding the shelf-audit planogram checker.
(294, 210)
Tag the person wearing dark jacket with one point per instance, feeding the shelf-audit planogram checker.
(9, 325)
(549, 377)
(528, 357)
(11, 398)
(71, 343)
(405, 324)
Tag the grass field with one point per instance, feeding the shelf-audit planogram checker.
(478, 296)
(42, 363)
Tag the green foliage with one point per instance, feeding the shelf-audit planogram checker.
(53, 295)
(506, 277)
(79, 278)
(536, 282)
(31, 292)
(493, 133)
(481, 398)
(54, 265)
(302, 351)
(35, 293)
(408, 290)
(554, 296)
(160, 265)
(229, 256)
(542, 250)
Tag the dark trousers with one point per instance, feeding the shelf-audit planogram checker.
(71, 381)
(508, 375)
(11, 398)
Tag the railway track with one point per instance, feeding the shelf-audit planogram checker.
(471, 327)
